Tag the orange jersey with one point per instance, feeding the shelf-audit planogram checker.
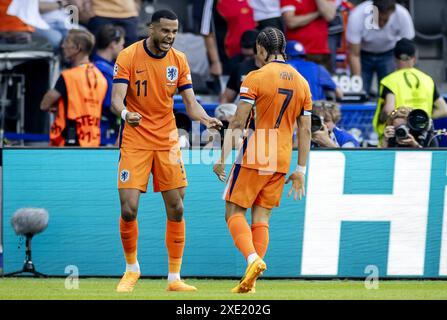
(279, 94)
(153, 81)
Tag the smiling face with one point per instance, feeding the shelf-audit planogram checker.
(162, 34)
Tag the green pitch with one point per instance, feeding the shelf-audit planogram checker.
(20, 288)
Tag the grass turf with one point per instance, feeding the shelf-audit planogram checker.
(104, 289)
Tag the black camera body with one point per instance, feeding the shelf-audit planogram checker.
(402, 131)
(418, 125)
(317, 123)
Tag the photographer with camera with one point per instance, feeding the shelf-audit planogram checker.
(407, 86)
(325, 133)
(408, 128)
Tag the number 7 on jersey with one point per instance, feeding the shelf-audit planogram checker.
(289, 94)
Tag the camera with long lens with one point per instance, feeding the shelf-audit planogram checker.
(418, 123)
(418, 120)
(316, 123)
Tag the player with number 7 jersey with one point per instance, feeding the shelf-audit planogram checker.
(272, 99)
(278, 94)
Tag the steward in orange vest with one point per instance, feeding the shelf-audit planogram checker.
(77, 97)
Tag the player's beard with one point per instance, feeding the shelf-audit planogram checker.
(157, 44)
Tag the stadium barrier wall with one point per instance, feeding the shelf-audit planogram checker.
(380, 210)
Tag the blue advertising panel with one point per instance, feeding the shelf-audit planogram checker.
(363, 208)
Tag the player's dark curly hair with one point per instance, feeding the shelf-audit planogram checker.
(273, 40)
(163, 14)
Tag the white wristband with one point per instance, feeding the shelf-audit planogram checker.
(124, 113)
(301, 169)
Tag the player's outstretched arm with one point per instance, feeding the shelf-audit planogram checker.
(234, 131)
(196, 112)
(298, 177)
(119, 91)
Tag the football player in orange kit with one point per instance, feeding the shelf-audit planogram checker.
(272, 99)
(147, 75)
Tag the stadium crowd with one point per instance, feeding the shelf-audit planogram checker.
(371, 40)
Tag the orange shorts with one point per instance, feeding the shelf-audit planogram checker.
(135, 166)
(246, 187)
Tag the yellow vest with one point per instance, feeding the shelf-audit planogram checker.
(411, 87)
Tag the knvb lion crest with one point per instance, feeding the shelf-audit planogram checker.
(124, 175)
(172, 73)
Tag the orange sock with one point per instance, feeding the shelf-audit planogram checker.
(260, 231)
(175, 243)
(241, 234)
(129, 238)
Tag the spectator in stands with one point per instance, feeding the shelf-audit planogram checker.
(307, 22)
(85, 11)
(117, 12)
(407, 86)
(336, 31)
(247, 44)
(397, 134)
(371, 42)
(78, 95)
(109, 43)
(240, 70)
(239, 18)
(197, 39)
(267, 13)
(329, 135)
(53, 12)
(319, 79)
(12, 29)
(204, 25)
(30, 15)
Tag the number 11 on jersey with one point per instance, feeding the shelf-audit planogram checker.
(138, 83)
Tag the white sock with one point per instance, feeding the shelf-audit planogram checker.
(134, 267)
(173, 277)
(252, 257)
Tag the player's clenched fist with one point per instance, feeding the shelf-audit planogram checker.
(133, 118)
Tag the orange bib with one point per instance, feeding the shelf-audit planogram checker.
(86, 89)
